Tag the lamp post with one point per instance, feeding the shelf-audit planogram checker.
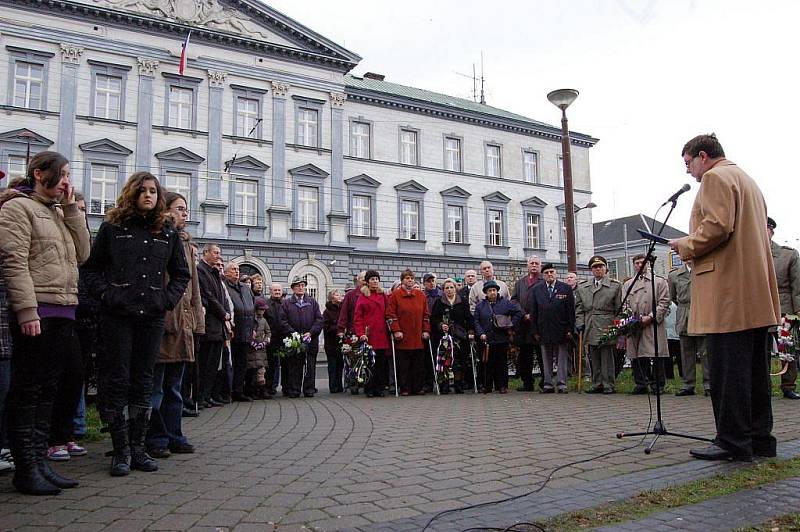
(563, 98)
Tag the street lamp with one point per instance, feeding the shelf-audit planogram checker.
(576, 210)
(563, 98)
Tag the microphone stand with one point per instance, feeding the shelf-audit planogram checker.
(659, 428)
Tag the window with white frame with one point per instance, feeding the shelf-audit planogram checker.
(312, 285)
(181, 103)
(103, 183)
(17, 166)
(246, 202)
(532, 230)
(560, 171)
(455, 224)
(492, 160)
(307, 126)
(495, 227)
(452, 154)
(180, 182)
(107, 96)
(28, 84)
(408, 146)
(530, 166)
(563, 246)
(308, 205)
(247, 115)
(359, 140)
(409, 220)
(362, 215)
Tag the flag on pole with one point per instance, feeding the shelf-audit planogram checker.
(184, 57)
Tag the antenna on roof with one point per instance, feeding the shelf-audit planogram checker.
(477, 97)
(483, 97)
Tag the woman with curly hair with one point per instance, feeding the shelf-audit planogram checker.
(138, 270)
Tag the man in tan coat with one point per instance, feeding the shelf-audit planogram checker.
(734, 299)
(787, 272)
(641, 346)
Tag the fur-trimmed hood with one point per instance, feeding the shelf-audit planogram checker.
(365, 290)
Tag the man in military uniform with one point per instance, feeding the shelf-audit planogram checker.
(692, 346)
(641, 346)
(597, 302)
(787, 271)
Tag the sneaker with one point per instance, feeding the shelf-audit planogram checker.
(6, 461)
(58, 453)
(75, 450)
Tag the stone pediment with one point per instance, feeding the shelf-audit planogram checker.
(309, 170)
(247, 162)
(455, 192)
(180, 154)
(106, 146)
(250, 19)
(410, 186)
(24, 136)
(497, 197)
(534, 201)
(363, 180)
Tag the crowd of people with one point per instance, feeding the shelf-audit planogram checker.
(176, 329)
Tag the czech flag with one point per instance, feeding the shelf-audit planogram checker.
(184, 57)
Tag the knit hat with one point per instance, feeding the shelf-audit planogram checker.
(490, 284)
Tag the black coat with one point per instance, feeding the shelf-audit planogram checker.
(136, 272)
(244, 311)
(520, 295)
(273, 315)
(330, 331)
(552, 317)
(457, 314)
(212, 293)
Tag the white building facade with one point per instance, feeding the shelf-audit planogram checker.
(294, 166)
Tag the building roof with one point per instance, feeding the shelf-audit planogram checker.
(610, 233)
(452, 104)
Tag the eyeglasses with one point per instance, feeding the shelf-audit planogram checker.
(687, 163)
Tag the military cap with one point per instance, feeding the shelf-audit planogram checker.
(597, 259)
(771, 223)
(547, 266)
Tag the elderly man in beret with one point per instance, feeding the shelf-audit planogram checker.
(300, 313)
(597, 301)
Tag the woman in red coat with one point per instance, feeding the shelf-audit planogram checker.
(409, 316)
(370, 325)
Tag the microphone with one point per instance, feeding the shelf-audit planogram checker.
(674, 197)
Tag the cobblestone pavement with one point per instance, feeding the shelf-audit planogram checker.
(338, 461)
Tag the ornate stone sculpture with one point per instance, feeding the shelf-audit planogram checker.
(71, 53)
(337, 99)
(280, 89)
(216, 78)
(147, 67)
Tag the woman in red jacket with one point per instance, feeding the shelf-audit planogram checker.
(409, 318)
(370, 325)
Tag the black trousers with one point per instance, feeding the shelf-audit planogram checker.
(645, 370)
(310, 376)
(497, 367)
(239, 359)
(410, 365)
(525, 363)
(292, 374)
(208, 357)
(740, 391)
(335, 368)
(380, 373)
(125, 373)
(68, 394)
(273, 363)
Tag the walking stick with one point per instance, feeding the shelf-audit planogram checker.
(433, 363)
(472, 355)
(580, 362)
(394, 361)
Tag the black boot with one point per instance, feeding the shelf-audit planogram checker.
(121, 455)
(44, 416)
(138, 424)
(54, 478)
(22, 434)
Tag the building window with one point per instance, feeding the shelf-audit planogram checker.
(312, 286)
(17, 166)
(359, 140)
(613, 270)
(409, 223)
(408, 146)
(362, 215)
(103, 182)
(560, 171)
(452, 154)
(530, 166)
(495, 227)
(492, 160)
(308, 204)
(563, 246)
(455, 224)
(532, 231)
(28, 84)
(245, 202)
(107, 97)
(307, 126)
(181, 105)
(180, 182)
(247, 114)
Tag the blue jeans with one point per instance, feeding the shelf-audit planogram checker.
(5, 383)
(167, 403)
(79, 421)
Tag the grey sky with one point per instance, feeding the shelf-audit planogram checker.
(652, 74)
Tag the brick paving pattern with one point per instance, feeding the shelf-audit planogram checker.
(342, 462)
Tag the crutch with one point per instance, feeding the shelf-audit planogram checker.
(580, 362)
(472, 355)
(433, 363)
(394, 360)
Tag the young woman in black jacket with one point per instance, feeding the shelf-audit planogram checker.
(138, 270)
(450, 315)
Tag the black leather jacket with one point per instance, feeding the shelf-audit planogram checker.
(135, 272)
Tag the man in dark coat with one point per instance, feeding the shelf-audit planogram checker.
(528, 347)
(212, 294)
(552, 308)
(244, 323)
(300, 313)
(274, 320)
(432, 293)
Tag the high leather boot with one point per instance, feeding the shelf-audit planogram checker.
(138, 423)
(121, 455)
(22, 435)
(44, 412)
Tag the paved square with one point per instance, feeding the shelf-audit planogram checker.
(341, 461)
